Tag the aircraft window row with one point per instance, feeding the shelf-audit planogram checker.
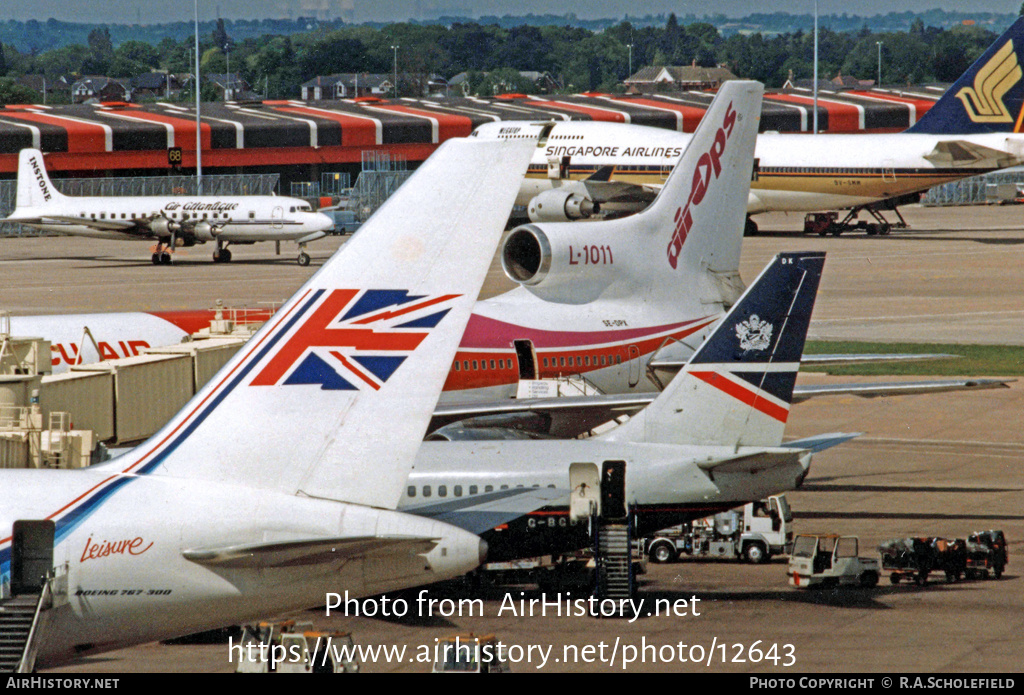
(173, 215)
(477, 365)
(580, 361)
(442, 490)
(566, 137)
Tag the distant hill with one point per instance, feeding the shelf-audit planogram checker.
(37, 37)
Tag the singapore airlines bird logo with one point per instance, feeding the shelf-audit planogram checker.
(984, 101)
(355, 341)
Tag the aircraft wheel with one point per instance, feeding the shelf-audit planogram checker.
(894, 579)
(165, 258)
(225, 256)
(156, 259)
(303, 259)
(751, 228)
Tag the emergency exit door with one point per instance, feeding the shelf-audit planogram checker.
(31, 555)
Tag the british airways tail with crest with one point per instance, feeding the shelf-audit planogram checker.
(988, 98)
(362, 348)
(737, 388)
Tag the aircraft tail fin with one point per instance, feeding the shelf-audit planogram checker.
(35, 190)
(701, 211)
(737, 388)
(332, 397)
(988, 98)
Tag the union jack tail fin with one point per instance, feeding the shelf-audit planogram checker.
(988, 98)
(332, 397)
(737, 388)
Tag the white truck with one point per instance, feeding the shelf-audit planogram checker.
(754, 532)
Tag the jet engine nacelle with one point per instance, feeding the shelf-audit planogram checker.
(560, 205)
(163, 227)
(204, 231)
(564, 263)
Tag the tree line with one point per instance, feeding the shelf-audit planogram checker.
(580, 59)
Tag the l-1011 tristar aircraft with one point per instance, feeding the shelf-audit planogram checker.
(710, 441)
(582, 168)
(170, 220)
(279, 481)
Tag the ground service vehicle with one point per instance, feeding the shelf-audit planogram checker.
(290, 647)
(829, 560)
(986, 552)
(753, 532)
(469, 654)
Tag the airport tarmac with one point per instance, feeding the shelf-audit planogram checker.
(934, 465)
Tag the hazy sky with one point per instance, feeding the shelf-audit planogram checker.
(151, 11)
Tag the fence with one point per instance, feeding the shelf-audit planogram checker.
(977, 189)
(220, 184)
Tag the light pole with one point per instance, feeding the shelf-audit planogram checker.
(630, 47)
(199, 133)
(815, 67)
(879, 63)
(395, 49)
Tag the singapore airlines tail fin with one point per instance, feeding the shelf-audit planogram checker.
(363, 348)
(737, 388)
(988, 98)
(35, 190)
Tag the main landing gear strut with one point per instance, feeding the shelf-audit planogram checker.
(162, 253)
(221, 254)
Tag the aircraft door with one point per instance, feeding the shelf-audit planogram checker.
(277, 217)
(31, 555)
(633, 355)
(585, 481)
(613, 490)
(888, 171)
(527, 358)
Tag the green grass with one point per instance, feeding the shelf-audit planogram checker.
(974, 360)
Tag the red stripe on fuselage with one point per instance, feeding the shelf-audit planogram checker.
(567, 353)
(745, 395)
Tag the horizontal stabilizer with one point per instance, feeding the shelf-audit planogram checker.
(965, 154)
(820, 442)
(314, 551)
(898, 388)
(480, 513)
(752, 463)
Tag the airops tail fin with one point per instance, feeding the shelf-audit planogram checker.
(737, 388)
(701, 211)
(988, 98)
(332, 397)
(35, 190)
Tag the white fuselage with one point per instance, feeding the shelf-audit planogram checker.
(234, 219)
(797, 172)
(122, 578)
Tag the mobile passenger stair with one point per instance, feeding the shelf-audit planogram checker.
(27, 600)
(614, 558)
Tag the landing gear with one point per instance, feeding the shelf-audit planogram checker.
(221, 254)
(303, 256)
(751, 228)
(162, 254)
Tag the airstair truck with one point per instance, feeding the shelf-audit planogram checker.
(754, 532)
